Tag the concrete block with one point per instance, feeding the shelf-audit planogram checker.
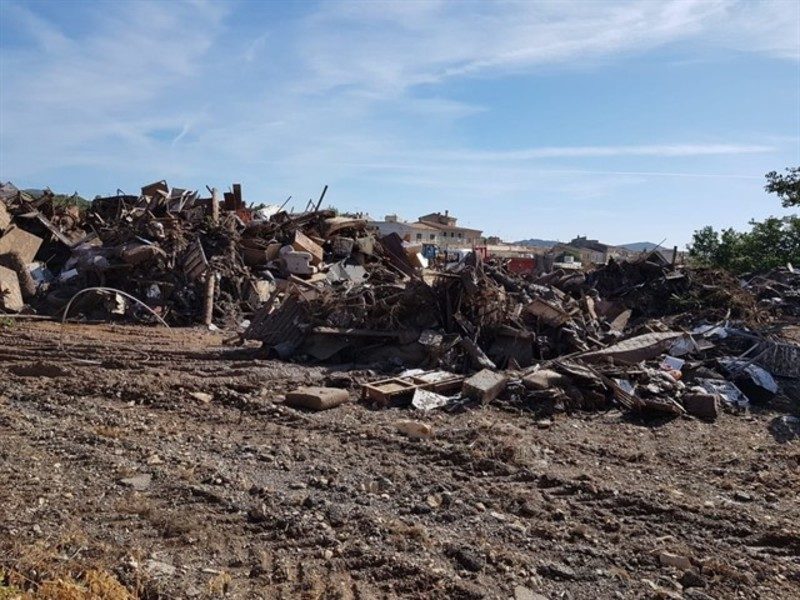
(544, 379)
(10, 294)
(23, 243)
(484, 386)
(317, 398)
(705, 406)
(297, 263)
(416, 430)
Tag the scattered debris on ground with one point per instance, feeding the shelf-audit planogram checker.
(366, 325)
(318, 287)
(173, 464)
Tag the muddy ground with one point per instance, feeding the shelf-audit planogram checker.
(109, 462)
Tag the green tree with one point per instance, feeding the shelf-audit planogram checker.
(769, 243)
(704, 246)
(730, 248)
(787, 186)
(64, 200)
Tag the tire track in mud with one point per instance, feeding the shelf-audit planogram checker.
(436, 458)
(263, 492)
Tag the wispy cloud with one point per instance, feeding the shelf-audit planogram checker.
(352, 92)
(397, 46)
(104, 90)
(256, 47)
(152, 66)
(665, 150)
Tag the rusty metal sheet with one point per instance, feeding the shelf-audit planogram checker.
(393, 246)
(158, 189)
(56, 231)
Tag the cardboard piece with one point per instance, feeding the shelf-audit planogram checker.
(23, 243)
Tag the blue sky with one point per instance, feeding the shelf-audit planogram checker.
(626, 121)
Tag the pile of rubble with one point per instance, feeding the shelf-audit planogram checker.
(384, 305)
(670, 373)
(185, 258)
(777, 291)
(316, 286)
(643, 335)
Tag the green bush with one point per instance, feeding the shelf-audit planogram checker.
(769, 243)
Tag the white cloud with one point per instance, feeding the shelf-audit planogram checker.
(769, 27)
(352, 92)
(390, 47)
(69, 99)
(45, 34)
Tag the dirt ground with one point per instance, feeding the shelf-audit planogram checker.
(110, 464)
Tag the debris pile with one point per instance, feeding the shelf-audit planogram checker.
(644, 335)
(318, 286)
(777, 290)
(188, 259)
(474, 314)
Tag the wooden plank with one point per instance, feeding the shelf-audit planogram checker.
(386, 391)
(303, 243)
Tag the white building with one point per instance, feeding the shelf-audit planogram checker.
(410, 232)
(435, 228)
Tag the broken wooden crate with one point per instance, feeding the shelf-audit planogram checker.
(400, 390)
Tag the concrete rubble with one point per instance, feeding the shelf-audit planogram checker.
(319, 287)
(317, 398)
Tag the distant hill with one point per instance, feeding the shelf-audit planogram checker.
(633, 247)
(640, 246)
(536, 242)
(61, 199)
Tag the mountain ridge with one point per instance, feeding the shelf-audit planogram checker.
(541, 243)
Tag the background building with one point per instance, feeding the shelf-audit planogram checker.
(435, 228)
(449, 233)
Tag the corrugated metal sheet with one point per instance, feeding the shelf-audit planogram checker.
(280, 325)
(194, 261)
